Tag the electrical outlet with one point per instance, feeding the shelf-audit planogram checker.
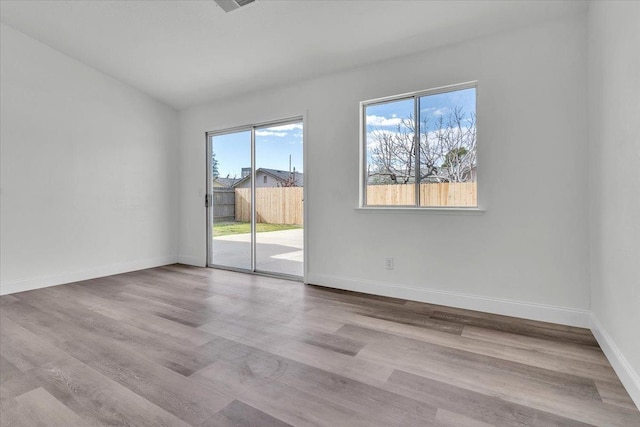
(388, 263)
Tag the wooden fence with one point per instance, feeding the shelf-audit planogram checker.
(274, 205)
(283, 205)
(223, 204)
(443, 194)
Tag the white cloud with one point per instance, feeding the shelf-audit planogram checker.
(432, 136)
(374, 120)
(374, 137)
(290, 126)
(435, 111)
(270, 133)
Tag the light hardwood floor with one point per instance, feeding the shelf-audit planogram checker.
(184, 346)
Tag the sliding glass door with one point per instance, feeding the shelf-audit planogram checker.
(230, 233)
(279, 201)
(256, 181)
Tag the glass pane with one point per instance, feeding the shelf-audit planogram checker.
(448, 164)
(231, 184)
(390, 162)
(279, 206)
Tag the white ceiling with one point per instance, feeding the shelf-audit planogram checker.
(189, 52)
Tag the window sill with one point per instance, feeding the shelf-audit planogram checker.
(416, 210)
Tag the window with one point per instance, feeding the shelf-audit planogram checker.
(264, 179)
(420, 149)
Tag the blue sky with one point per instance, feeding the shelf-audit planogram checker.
(273, 147)
(276, 143)
(388, 115)
(434, 106)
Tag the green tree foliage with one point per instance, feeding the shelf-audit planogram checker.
(214, 166)
(455, 156)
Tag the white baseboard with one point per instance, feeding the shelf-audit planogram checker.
(191, 260)
(546, 313)
(76, 276)
(526, 310)
(628, 376)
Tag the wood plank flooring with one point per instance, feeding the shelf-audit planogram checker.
(185, 346)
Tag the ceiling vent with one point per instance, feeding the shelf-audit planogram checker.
(231, 5)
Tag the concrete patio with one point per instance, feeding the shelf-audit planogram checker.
(276, 251)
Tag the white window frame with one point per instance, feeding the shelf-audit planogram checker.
(362, 206)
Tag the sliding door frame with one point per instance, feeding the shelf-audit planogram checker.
(209, 192)
(209, 195)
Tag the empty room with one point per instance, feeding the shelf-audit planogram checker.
(319, 213)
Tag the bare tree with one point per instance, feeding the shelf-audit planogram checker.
(393, 153)
(289, 182)
(447, 150)
(294, 179)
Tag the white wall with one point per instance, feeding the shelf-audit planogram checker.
(527, 255)
(614, 135)
(88, 171)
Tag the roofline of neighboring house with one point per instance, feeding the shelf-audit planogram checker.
(235, 180)
(266, 172)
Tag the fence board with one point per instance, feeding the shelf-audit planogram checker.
(223, 203)
(283, 205)
(445, 194)
(391, 194)
(274, 205)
